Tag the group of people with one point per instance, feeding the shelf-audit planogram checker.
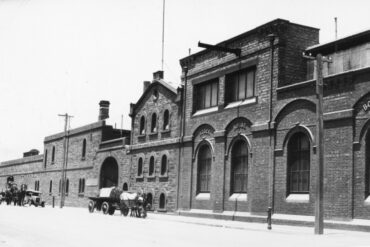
(12, 194)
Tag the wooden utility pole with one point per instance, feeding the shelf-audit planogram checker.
(65, 158)
(319, 204)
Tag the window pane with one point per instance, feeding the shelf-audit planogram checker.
(242, 82)
(250, 84)
(214, 94)
(207, 102)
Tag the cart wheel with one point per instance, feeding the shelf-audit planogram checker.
(91, 206)
(111, 210)
(105, 207)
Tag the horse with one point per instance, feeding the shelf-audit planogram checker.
(134, 202)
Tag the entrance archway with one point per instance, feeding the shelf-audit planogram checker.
(109, 173)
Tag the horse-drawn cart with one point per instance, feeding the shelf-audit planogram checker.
(112, 199)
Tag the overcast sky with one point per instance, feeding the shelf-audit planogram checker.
(64, 56)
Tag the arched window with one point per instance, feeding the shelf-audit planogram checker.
(60, 187)
(53, 155)
(367, 164)
(83, 149)
(151, 166)
(239, 167)
(37, 185)
(166, 120)
(164, 165)
(51, 187)
(204, 169)
(45, 158)
(140, 167)
(81, 186)
(149, 200)
(142, 125)
(154, 123)
(125, 187)
(298, 164)
(162, 201)
(67, 187)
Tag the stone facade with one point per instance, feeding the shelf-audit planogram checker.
(218, 145)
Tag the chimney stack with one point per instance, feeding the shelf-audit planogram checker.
(103, 110)
(158, 75)
(146, 85)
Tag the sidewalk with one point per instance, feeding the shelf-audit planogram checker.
(238, 220)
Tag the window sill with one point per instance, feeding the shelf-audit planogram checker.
(248, 101)
(240, 197)
(153, 133)
(205, 111)
(165, 131)
(203, 196)
(162, 210)
(83, 158)
(81, 195)
(165, 175)
(141, 136)
(298, 198)
(140, 177)
(151, 176)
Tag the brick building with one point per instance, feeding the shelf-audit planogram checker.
(238, 136)
(154, 148)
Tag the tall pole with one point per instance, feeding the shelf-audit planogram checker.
(319, 207)
(65, 155)
(164, 2)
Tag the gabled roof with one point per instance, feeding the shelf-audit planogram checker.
(340, 44)
(155, 82)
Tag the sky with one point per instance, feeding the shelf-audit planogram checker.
(65, 56)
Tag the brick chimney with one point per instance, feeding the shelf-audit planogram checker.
(103, 110)
(146, 85)
(158, 75)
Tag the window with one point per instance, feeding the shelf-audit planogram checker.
(154, 123)
(142, 126)
(53, 155)
(298, 164)
(239, 167)
(46, 158)
(240, 85)
(67, 187)
(81, 186)
(50, 187)
(367, 165)
(204, 169)
(151, 166)
(166, 120)
(37, 185)
(83, 149)
(162, 201)
(206, 95)
(140, 167)
(149, 201)
(125, 187)
(164, 165)
(60, 187)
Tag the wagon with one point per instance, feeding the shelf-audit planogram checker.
(107, 201)
(112, 199)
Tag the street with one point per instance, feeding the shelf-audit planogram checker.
(30, 226)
